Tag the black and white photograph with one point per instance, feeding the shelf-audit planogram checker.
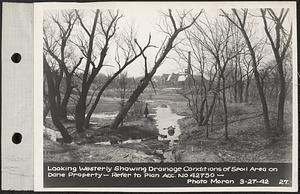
(173, 85)
(112, 96)
(167, 84)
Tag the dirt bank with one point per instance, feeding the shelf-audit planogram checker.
(248, 141)
(135, 141)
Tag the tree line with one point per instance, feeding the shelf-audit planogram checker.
(226, 53)
(77, 44)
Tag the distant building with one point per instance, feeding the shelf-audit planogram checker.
(177, 79)
(180, 80)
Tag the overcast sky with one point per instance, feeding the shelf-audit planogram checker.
(145, 21)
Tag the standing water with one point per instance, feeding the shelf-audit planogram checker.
(168, 129)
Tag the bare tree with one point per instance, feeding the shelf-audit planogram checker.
(217, 39)
(45, 99)
(199, 79)
(240, 22)
(248, 72)
(106, 26)
(132, 51)
(280, 43)
(122, 86)
(53, 103)
(57, 49)
(238, 84)
(173, 31)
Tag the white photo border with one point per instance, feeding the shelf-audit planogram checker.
(38, 88)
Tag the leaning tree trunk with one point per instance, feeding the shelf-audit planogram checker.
(133, 98)
(263, 100)
(106, 84)
(148, 76)
(53, 105)
(143, 84)
(262, 96)
(92, 109)
(258, 82)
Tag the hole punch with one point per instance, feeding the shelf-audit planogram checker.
(17, 138)
(16, 58)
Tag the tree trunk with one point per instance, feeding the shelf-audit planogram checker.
(263, 101)
(241, 82)
(235, 80)
(148, 76)
(58, 79)
(65, 101)
(46, 109)
(92, 109)
(66, 137)
(225, 108)
(212, 120)
(86, 79)
(258, 82)
(241, 26)
(276, 93)
(207, 127)
(280, 54)
(241, 90)
(281, 100)
(80, 111)
(132, 99)
(53, 105)
(210, 110)
(230, 93)
(212, 106)
(247, 91)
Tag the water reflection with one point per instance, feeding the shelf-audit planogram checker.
(105, 115)
(167, 124)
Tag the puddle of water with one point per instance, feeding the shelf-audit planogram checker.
(105, 115)
(103, 143)
(168, 129)
(112, 98)
(149, 101)
(167, 124)
(70, 117)
(120, 142)
(170, 88)
(132, 141)
(166, 121)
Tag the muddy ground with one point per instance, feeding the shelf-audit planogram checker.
(137, 140)
(248, 141)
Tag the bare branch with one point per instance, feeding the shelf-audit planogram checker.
(81, 23)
